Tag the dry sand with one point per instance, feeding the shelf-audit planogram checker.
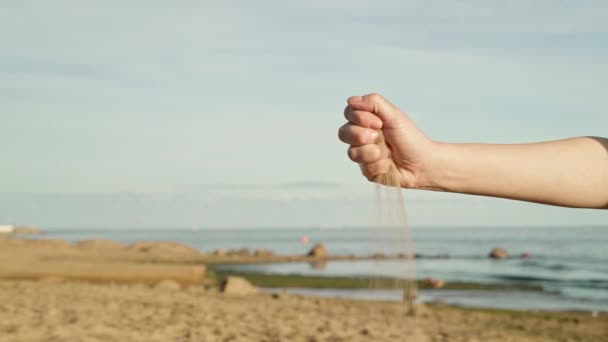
(55, 291)
(47, 311)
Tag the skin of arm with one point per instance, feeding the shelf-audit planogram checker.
(571, 172)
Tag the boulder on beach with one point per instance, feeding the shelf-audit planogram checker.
(318, 251)
(237, 286)
(164, 248)
(434, 283)
(99, 244)
(499, 253)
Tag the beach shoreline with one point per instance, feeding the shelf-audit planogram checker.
(164, 291)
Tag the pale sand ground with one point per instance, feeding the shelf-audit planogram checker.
(55, 310)
(46, 311)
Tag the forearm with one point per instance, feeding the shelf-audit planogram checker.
(571, 172)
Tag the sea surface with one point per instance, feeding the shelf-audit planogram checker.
(569, 263)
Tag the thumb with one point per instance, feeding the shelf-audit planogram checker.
(378, 105)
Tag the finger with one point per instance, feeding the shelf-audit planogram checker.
(371, 170)
(367, 153)
(362, 118)
(374, 103)
(378, 105)
(356, 135)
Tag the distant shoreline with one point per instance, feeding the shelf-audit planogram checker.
(149, 262)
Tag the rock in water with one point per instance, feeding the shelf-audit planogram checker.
(237, 286)
(318, 251)
(499, 253)
(434, 283)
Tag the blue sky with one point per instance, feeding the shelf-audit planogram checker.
(206, 113)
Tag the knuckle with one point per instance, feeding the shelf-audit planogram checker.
(375, 97)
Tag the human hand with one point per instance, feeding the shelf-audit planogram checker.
(379, 134)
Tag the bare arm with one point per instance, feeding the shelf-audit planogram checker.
(571, 172)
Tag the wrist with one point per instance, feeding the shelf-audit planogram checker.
(434, 171)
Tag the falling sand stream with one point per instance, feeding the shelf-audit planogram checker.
(391, 214)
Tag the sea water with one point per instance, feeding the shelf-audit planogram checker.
(569, 263)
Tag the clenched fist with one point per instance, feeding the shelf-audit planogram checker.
(370, 118)
(392, 151)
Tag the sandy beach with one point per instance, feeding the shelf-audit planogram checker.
(57, 291)
(46, 311)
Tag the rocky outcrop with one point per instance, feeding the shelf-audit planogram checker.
(164, 248)
(237, 286)
(499, 253)
(318, 251)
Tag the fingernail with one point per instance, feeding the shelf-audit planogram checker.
(377, 124)
(374, 135)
